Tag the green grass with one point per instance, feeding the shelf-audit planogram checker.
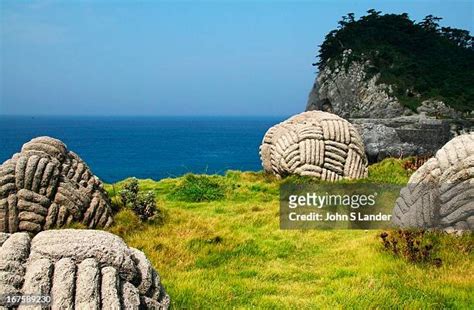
(230, 253)
(198, 188)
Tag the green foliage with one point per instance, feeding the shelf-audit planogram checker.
(198, 188)
(231, 254)
(299, 179)
(390, 170)
(125, 222)
(129, 193)
(146, 206)
(143, 204)
(420, 60)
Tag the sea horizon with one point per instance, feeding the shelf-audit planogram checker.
(155, 147)
(285, 116)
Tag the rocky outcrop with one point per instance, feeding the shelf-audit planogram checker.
(46, 186)
(440, 194)
(317, 144)
(387, 127)
(348, 93)
(437, 108)
(79, 269)
(402, 136)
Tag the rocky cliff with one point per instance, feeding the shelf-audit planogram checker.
(345, 90)
(387, 127)
(406, 85)
(348, 90)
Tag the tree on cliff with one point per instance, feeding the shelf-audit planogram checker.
(421, 60)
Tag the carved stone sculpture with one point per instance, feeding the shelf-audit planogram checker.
(46, 186)
(440, 194)
(79, 269)
(317, 144)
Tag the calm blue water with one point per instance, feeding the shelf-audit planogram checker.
(146, 147)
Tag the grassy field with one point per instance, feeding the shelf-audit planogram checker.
(230, 253)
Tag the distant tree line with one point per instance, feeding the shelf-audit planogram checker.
(419, 59)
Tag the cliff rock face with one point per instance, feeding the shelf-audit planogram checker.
(402, 136)
(348, 93)
(387, 127)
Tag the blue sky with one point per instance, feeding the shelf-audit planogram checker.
(174, 58)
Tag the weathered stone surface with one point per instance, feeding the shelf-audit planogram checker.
(87, 285)
(109, 287)
(314, 143)
(348, 93)
(63, 284)
(437, 108)
(98, 271)
(440, 194)
(402, 136)
(13, 255)
(106, 249)
(37, 280)
(46, 186)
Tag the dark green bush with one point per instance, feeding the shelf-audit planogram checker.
(420, 60)
(198, 188)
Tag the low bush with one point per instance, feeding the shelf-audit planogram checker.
(143, 204)
(416, 246)
(391, 170)
(198, 188)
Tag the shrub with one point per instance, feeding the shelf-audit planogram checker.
(416, 246)
(143, 204)
(391, 170)
(198, 188)
(129, 193)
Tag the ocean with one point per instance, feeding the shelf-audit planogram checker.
(147, 147)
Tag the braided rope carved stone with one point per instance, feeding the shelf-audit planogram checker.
(440, 194)
(79, 269)
(316, 144)
(46, 186)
